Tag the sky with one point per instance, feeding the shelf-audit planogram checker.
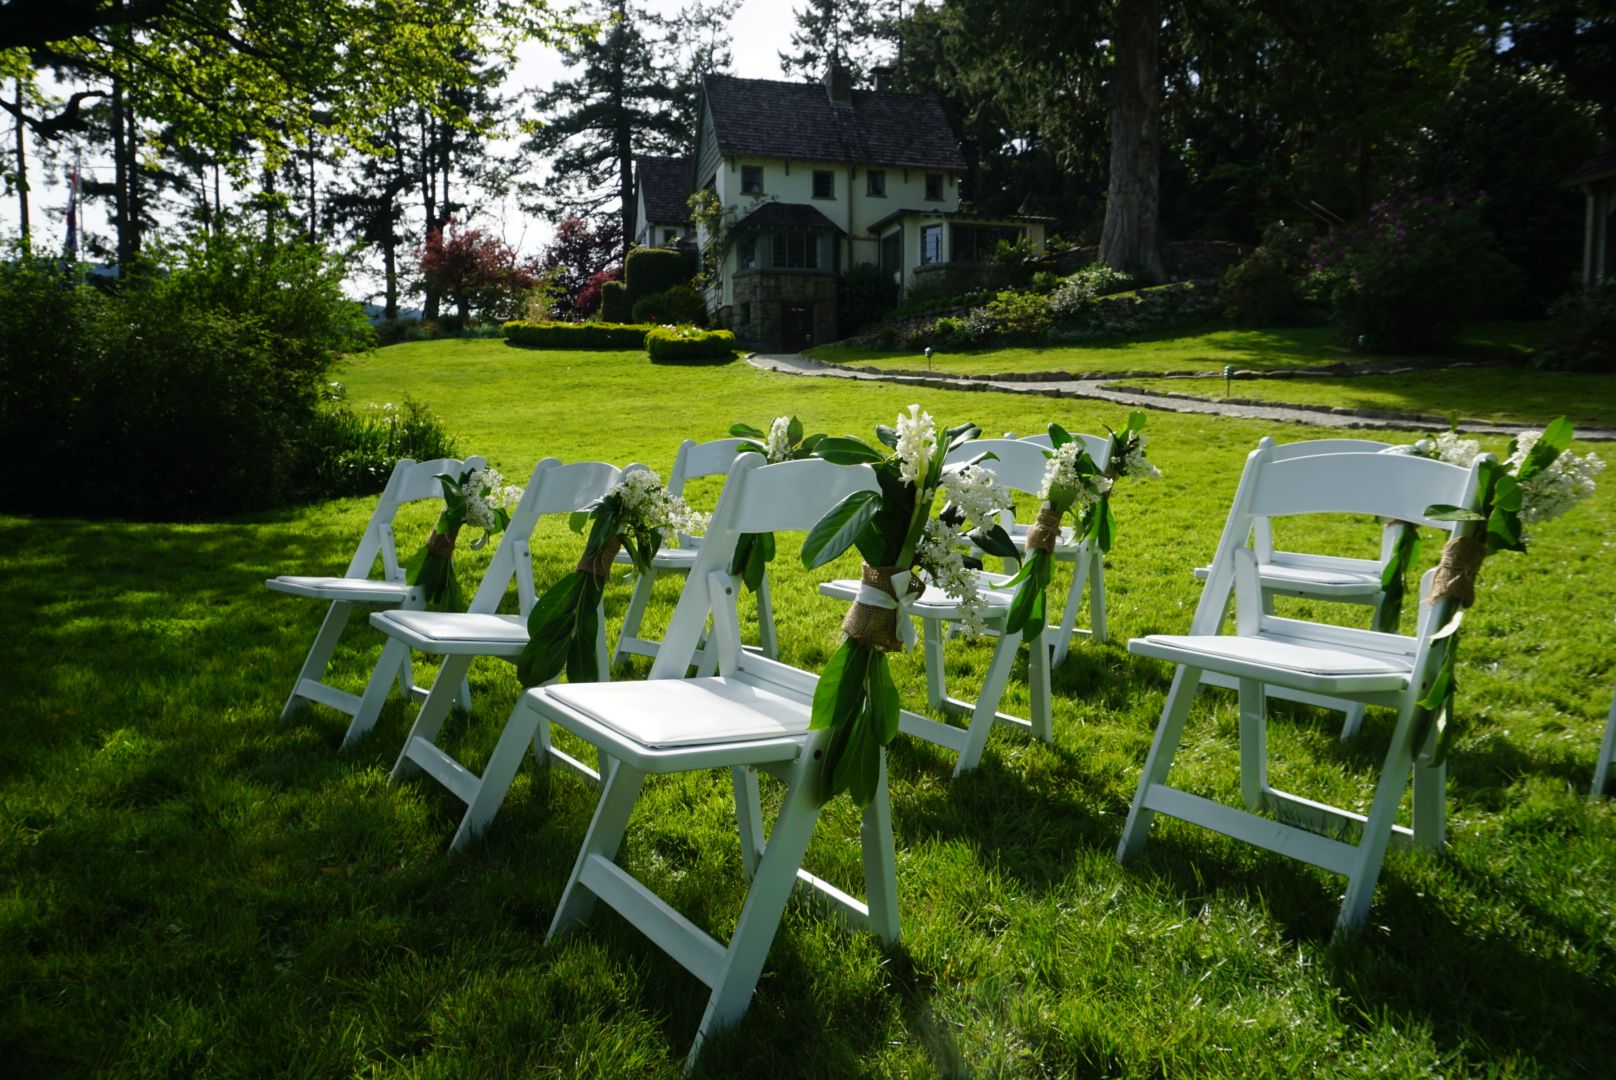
(760, 30)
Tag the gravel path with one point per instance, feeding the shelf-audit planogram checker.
(1090, 388)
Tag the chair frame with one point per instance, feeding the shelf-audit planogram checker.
(756, 498)
(1607, 752)
(1086, 559)
(1321, 484)
(692, 461)
(410, 481)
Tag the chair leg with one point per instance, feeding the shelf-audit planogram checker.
(936, 685)
(1353, 720)
(1038, 692)
(1253, 744)
(620, 789)
(748, 816)
(1377, 831)
(637, 602)
(320, 653)
(767, 639)
(760, 915)
(520, 730)
(987, 704)
(434, 711)
(394, 654)
(1607, 751)
(1097, 597)
(1169, 729)
(880, 864)
(1074, 598)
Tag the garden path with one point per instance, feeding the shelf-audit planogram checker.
(793, 364)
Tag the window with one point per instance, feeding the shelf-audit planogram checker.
(746, 314)
(751, 179)
(892, 253)
(746, 253)
(977, 243)
(875, 183)
(934, 186)
(796, 251)
(931, 243)
(824, 184)
(670, 236)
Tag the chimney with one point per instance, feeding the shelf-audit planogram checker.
(883, 77)
(838, 82)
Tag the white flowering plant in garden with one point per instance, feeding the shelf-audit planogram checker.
(1540, 480)
(894, 531)
(478, 497)
(637, 515)
(784, 441)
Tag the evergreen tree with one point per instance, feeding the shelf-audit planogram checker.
(854, 31)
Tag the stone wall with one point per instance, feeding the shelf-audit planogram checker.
(761, 297)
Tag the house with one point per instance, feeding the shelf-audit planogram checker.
(813, 178)
(1597, 179)
(662, 201)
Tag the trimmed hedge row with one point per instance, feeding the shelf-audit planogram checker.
(674, 345)
(578, 336)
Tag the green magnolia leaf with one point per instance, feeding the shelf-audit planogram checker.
(847, 450)
(576, 520)
(1059, 436)
(993, 540)
(1105, 530)
(837, 531)
(811, 443)
(550, 627)
(887, 434)
(583, 662)
(828, 689)
(882, 694)
(1032, 580)
(1136, 421)
(1504, 532)
(746, 431)
(751, 448)
(794, 431)
(959, 436)
(1447, 512)
(859, 771)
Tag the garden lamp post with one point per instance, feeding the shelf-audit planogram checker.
(1228, 373)
(928, 357)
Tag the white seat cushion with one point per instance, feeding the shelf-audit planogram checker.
(1283, 662)
(934, 603)
(352, 590)
(455, 631)
(686, 712)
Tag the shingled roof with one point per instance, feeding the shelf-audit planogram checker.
(791, 215)
(1601, 166)
(665, 184)
(766, 118)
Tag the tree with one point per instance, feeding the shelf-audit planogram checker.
(576, 256)
(620, 104)
(850, 30)
(1129, 240)
(476, 271)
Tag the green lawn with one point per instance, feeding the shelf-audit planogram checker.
(1520, 394)
(1255, 350)
(190, 887)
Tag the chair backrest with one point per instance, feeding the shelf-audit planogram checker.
(411, 481)
(1098, 446)
(1262, 535)
(789, 497)
(1017, 463)
(695, 460)
(1384, 485)
(554, 488)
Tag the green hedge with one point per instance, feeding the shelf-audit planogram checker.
(580, 336)
(674, 345)
(649, 271)
(615, 306)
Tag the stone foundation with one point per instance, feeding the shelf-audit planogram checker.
(764, 299)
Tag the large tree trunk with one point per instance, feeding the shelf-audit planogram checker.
(1129, 240)
(429, 203)
(22, 173)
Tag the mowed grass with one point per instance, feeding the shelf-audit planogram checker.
(1253, 350)
(1518, 394)
(189, 886)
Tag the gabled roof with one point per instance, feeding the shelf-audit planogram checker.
(789, 215)
(963, 215)
(767, 118)
(664, 183)
(1601, 166)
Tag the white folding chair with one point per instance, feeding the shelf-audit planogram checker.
(1019, 467)
(1335, 578)
(460, 637)
(693, 461)
(356, 590)
(752, 716)
(1607, 752)
(1086, 559)
(1341, 662)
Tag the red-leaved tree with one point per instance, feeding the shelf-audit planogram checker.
(589, 295)
(577, 253)
(477, 271)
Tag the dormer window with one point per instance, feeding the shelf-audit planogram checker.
(934, 186)
(824, 184)
(752, 180)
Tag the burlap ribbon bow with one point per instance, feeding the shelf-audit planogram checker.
(442, 545)
(1045, 530)
(1456, 573)
(879, 616)
(600, 563)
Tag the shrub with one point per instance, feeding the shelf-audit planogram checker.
(1267, 288)
(1044, 281)
(614, 303)
(395, 331)
(348, 452)
(652, 310)
(1021, 314)
(649, 271)
(1412, 274)
(182, 395)
(956, 332)
(1162, 307)
(480, 273)
(682, 344)
(684, 306)
(578, 336)
(1078, 290)
(863, 295)
(1583, 334)
(1012, 265)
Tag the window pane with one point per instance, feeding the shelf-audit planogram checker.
(751, 179)
(876, 181)
(934, 185)
(824, 184)
(931, 243)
